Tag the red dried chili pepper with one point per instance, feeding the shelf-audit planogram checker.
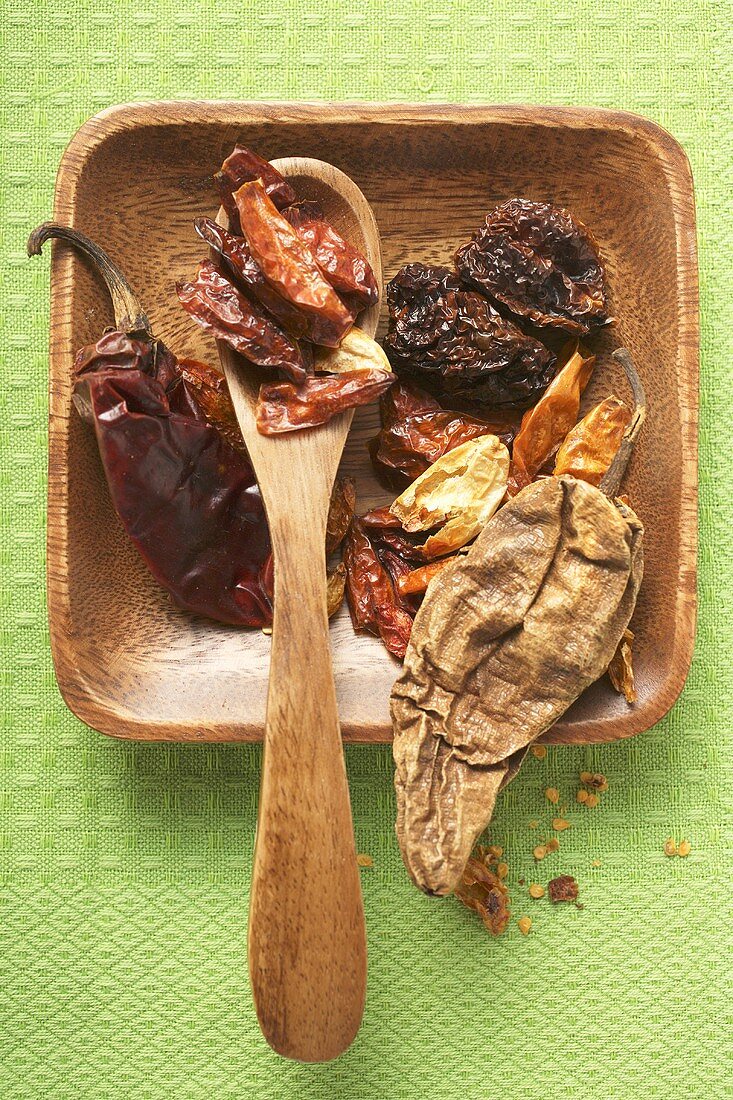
(224, 311)
(240, 262)
(188, 500)
(289, 266)
(370, 593)
(242, 166)
(342, 265)
(283, 407)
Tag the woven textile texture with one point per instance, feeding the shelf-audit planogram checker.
(124, 867)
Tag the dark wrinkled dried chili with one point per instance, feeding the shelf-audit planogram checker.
(454, 342)
(242, 166)
(289, 266)
(283, 407)
(539, 262)
(220, 308)
(188, 500)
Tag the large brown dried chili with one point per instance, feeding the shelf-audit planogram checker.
(221, 309)
(187, 499)
(453, 341)
(539, 262)
(289, 265)
(243, 166)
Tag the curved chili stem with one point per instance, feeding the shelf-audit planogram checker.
(129, 314)
(611, 481)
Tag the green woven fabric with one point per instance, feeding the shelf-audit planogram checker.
(124, 868)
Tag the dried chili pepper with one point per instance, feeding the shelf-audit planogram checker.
(289, 266)
(220, 308)
(539, 262)
(621, 668)
(417, 580)
(340, 512)
(357, 351)
(453, 341)
(589, 448)
(459, 493)
(335, 589)
(212, 397)
(542, 598)
(283, 407)
(243, 166)
(371, 597)
(342, 265)
(483, 891)
(398, 569)
(188, 500)
(242, 265)
(545, 426)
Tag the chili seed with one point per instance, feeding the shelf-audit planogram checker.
(592, 801)
(536, 891)
(495, 850)
(552, 794)
(502, 870)
(684, 849)
(559, 823)
(553, 845)
(585, 777)
(539, 751)
(524, 923)
(364, 860)
(582, 795)
(670, 847)
(540, 851)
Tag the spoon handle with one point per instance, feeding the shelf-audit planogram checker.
(307, 944)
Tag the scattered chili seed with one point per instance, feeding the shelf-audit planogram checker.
(533, 824)
(536, 891)
(592, 801)
(267, 630)
(364, 860)
(684, 849)
(540, 751)
(559, 823)
(502, 870)
(495, 850)
(524, 923)
(563, 888)
(585, 777)
(553, 845)
(552, 794)
(670, 846)
(540, 851)
(596, 863)
(599, 782)
(582, 795)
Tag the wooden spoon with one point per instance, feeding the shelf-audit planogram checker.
(307, 942)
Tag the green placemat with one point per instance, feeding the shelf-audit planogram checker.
(125, 867)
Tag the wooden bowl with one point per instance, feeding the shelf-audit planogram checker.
(134, 177)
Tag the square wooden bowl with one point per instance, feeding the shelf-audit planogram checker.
(134, 177)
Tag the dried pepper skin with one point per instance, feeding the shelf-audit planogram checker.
(212, 398)
(283, 407)
(416, 581)
(370, 594)
(504, 642)
(590, 447)
(539, 262)
(220, 308)
(483, 891)
(342, 265)
(187, 499)
(243, 166)
(621, 668)
(242, 265)
(454, 342)
(289, 266)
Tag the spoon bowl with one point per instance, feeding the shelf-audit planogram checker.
(307, 941)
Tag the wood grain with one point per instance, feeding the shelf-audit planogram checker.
(134, 177)
(307, 939)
